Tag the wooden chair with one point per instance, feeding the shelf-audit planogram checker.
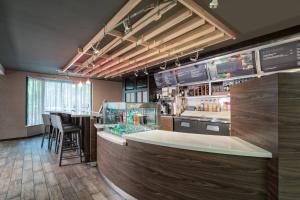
(47, 127)
(69, 140)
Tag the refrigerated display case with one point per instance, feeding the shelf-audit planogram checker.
(124, 118)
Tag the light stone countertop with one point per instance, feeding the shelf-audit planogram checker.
(77, 114)
(196, 142)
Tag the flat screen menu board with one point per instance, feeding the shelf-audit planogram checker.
(165, 79)
(280, 57)
(192, 73)
(158, 80)
(169, 78)
(232, 66)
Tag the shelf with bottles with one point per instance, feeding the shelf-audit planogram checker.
(194, 90)
(211, 104)
(124, 118)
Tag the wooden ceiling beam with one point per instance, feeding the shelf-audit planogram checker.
(107, 28)
(181, 48)
(137, 26)
(201, 12)
(172, 57)
(119, 34)
(158, 29)
(114, 33)
(190, 36)
(165, 37)
(140, 24)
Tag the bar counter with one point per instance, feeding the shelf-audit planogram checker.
(170, 165)
(196, 142)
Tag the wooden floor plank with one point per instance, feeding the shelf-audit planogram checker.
(51, 179)
(69, 193)
(41, 192)
(14, 189)
(55, 193)
(28, 191)
(39, 177)
(27, 176)
(99, 196)
(29, 172)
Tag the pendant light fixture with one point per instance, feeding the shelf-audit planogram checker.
(164, 66)
(88, 82)
(136, 73)
(177, 62)
(194, 59)
(145, 71)
(80, 84)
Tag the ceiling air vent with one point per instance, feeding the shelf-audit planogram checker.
(2, 70)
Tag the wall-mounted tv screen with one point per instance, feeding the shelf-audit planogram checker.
(232, 66)
(158, 80)
(280, 57)
(194, 73)
(165, 79)
(169, 78)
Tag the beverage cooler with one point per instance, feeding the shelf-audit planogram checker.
(124, 118)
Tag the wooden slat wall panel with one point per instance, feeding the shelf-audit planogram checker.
(254, 119)
(289, 135)
(266, 113)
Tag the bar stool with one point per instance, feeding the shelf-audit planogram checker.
(47, 127)
(69, 140)
(54, 133)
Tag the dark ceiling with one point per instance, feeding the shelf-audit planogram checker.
(43, 35)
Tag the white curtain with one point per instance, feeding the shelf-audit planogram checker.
(35, 101)
(57, 95)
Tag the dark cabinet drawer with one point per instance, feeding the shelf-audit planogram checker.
(186, 125)
(214, 128)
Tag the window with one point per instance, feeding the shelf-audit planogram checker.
(55, 95)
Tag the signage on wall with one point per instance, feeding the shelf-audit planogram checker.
(280, 57)
(194, 73)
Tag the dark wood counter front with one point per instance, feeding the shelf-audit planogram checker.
(153, 172)
(266, 112)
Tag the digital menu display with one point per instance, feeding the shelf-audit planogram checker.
(280, 57)
(165, 79)
(158, 80)
(169, 78)
(232, 66)
(193, 73)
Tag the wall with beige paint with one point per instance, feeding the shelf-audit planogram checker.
(13, 101)
(109, 90)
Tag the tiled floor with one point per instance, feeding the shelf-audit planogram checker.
(29, 172)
